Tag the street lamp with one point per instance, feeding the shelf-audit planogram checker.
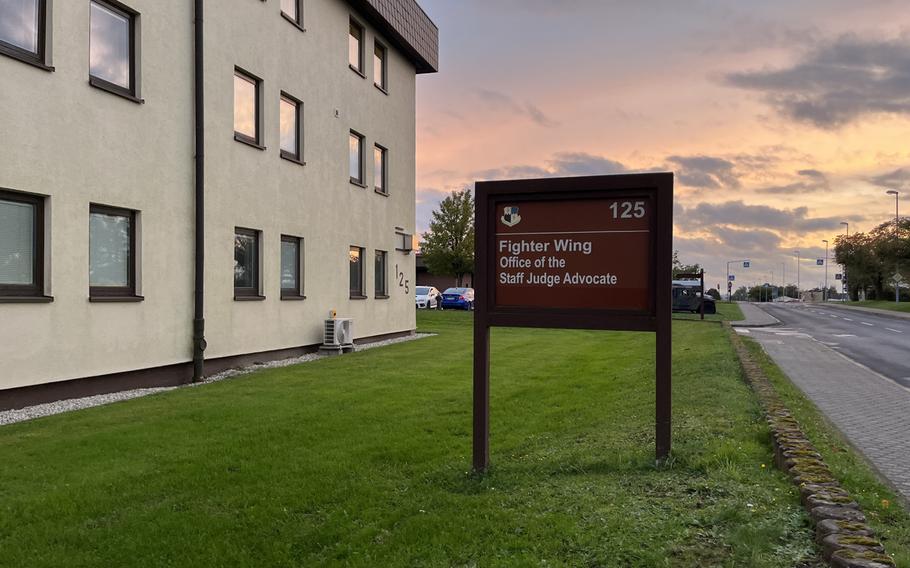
(844, 281)
(825, 291)
(796, 252)
(897, 286)
(746, 263)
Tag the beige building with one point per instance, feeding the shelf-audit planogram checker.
(239, 168)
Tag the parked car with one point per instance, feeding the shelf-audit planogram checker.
(687, 297)
(458, 299)
(427, 297)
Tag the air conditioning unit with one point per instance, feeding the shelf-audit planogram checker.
(339, 336)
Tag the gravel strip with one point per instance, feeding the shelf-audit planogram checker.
(51, 408)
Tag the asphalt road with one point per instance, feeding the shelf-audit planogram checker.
(880, 343)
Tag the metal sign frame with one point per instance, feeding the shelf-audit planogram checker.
(657, 186)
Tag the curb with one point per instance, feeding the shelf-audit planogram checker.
(873, 311)
(841, 531)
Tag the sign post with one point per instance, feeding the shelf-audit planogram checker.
(577, 253)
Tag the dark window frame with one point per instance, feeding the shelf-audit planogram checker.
(359, 69)
(132, 93)
(297, 157)
(361, 293)
(36, 288)
(297, 292)
(37, 59)
(407, 245)
(384, 190)
(384, 87)
(128, 292)
(255, 142)
(298, 21)
(254, 292)
(361, 181)
(381, 293)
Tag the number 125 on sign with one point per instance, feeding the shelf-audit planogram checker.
(628, 209)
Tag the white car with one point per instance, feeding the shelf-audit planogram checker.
(427, 297)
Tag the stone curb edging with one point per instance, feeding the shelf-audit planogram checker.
(841, 531)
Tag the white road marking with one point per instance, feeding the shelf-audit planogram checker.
(845, 335)
(894, 330)
(867, 323)
(835, 316)
(742, 331)
(847, 319)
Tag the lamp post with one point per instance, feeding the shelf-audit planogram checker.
(796, 252)
(825, 290)
(897, 288)
(846, 286)
(730, 284)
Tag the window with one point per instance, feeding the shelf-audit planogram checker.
(21, 245)
(246, 108)
(112, 252)
(289, 119)
(293, 12)
(381, 280)
(356, 262)
(22, 30)
(246, 264)
(355, 47)
(355, 143)
(379, 169)
(379, 69)
(290, 268)
(112, 61)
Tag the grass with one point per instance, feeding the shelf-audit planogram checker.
(882, 507)
(363, 460)
(726, 311)
(883, 305)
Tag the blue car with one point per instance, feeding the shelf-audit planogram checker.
(458, 299)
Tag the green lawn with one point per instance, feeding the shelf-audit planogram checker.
(726, 311)
(883, 305)
(883, 509)
(363, 460)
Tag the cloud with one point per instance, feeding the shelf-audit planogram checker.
(837, 82)
(561, 164)
(705, 172)
(898, 179)
(503, 102)
(811, 181)
(711, 216)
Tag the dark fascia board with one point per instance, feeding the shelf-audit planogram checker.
(407, 26)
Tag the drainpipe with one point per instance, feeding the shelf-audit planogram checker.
(199, 293)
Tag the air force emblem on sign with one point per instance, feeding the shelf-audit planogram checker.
(510, 216)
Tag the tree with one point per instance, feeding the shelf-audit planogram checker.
(872, 258)
(448, 247)
(680, 268)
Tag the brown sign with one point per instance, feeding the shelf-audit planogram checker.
(582, 253)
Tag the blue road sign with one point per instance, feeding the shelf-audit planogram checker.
(747, 263)
(732, 277)
(820, 262)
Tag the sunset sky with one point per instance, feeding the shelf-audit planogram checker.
(779, 119)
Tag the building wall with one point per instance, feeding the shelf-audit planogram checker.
(79, 145)
(256, 189)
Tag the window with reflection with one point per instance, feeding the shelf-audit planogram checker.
(246, 262)
(380, 277)
(289, 125)
(112, 255)
(246, 107)
(379, 66)
(22, 28)
(379, 168)
(355, 154)
(290, 267)
(291, 9)
(356, 268)
(355, 47)
(21, 244)
(111, 49)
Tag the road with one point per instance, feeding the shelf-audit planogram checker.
(881, 343)
(855, 367)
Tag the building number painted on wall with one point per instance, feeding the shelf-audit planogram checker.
(402, 281)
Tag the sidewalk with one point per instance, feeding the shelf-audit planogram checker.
(876, 311)
(755, 316)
